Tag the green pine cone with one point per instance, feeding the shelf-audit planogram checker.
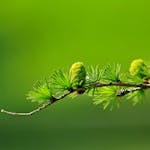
(139, 68)
(77, 75)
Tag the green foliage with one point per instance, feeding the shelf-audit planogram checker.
(139, 68)
(41, 92)
(128, 78)
(77, 75)
(107, 97)
(112, 72)
(94, 75)
(136, 97)
(60, 80)
(94, 81)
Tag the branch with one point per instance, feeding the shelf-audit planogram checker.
(81, 91)
(143, 85)
(126, 91)
(51, 101)
(28, 113)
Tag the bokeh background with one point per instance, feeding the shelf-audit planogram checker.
(38, 37)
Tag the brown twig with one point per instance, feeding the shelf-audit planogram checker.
(136, 87)
(143, 85)
(126, 91)
(51, 101)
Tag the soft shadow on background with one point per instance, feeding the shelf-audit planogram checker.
(37, 37)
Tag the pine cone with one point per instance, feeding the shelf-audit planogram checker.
(77, 75)
(139, 68)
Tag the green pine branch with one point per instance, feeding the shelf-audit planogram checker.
(107, 85)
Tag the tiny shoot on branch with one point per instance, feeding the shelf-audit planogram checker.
(107, 85)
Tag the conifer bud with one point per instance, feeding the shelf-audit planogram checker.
(139, 68)
(77, 75)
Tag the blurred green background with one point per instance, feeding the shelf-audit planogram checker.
(37, 37)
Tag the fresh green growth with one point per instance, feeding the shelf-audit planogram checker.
(139, 68)
(94, 74)
(112, 72)
(77, 75)
(107, 85)
(41, 92)
(107, 97)
(60, 82)
(127, 77)
(136, 97)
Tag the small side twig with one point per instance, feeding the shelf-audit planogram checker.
(126, 91)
